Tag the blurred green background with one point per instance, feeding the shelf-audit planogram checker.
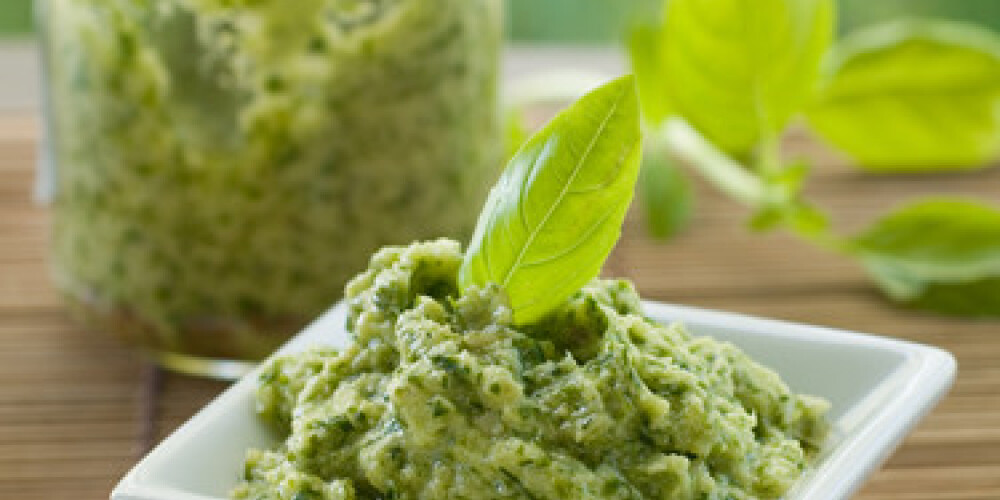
(596, 21)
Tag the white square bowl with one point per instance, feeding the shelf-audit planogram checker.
(879, 389)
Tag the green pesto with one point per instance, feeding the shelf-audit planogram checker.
(225, 166)
(439, 397)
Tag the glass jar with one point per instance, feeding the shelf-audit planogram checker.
(222, 167)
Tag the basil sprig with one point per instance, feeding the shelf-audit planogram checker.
(726, 77)
(557, 210)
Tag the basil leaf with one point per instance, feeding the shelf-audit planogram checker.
(914, 95)
(667, 196)
(941, 254)
(645, 51)
(557, 210)
(739, 70)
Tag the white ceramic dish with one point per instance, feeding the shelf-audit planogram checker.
(879, 388)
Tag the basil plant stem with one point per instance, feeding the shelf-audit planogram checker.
(721, 170)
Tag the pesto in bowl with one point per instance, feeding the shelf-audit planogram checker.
(440, 397)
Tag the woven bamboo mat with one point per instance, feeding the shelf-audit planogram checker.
(76, 409)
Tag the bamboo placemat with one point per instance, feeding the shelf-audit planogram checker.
(76, 409)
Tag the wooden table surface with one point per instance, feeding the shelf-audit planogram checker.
(77, 409)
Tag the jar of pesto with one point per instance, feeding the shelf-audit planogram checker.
(220, 168)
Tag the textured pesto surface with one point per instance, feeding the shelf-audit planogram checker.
(226, 166)
(438, 397)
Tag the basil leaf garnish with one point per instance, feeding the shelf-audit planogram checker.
(557, 210)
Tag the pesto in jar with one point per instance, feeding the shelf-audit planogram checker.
(223, 167)
(439, 397)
